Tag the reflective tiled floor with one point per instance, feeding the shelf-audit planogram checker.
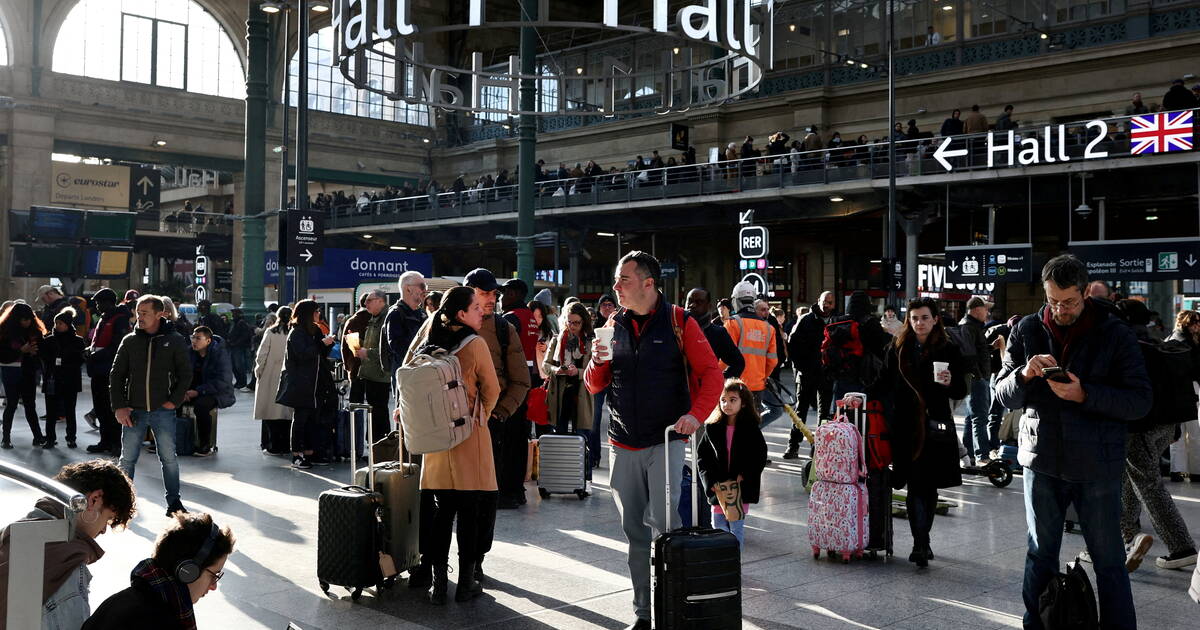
(560, 563)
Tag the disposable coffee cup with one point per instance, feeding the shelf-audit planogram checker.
(938, 368)
(604, 338)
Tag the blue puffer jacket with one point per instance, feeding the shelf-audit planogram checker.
(1071, 441)
(218, 373)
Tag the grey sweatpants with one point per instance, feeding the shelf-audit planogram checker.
(637, 481)
(1143, 482)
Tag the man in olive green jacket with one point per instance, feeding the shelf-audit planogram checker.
(150, 375)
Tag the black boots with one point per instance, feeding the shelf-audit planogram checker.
(468, 587)
(437, 595)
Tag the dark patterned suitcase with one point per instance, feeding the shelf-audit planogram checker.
(350, 534)
(697, 574)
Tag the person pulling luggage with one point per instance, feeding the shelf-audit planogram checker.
(923, 372)
(569, 402)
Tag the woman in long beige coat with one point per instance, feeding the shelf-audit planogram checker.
(568, 401)
(267, 368)
(462, 479)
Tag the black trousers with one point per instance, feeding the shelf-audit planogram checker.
(378, 395)
(921, 503)
(20, 388)
(204, 406)
(60, 406)
(811, 393)
(306, 429)
(475, 529)
(510, 451)
(110, 430)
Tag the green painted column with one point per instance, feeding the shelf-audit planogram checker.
(527, 146)
(254, 229)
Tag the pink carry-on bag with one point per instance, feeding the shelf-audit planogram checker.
(837, 507)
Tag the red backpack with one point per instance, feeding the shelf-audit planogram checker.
(879, 445)
(842, 349)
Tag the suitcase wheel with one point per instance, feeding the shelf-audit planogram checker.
(816, 555)
(845, 558)
(582, 494)
(355, 594)
(858, 555)
(1000, 476)
(324, 587)
(544, 493)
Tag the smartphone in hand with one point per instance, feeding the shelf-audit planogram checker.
(1056, 374)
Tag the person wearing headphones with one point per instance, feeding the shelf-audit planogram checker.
(188, 561)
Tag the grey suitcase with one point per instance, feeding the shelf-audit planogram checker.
(399, 483)
(561, 465)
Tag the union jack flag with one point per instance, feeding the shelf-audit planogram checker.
(1160, 133)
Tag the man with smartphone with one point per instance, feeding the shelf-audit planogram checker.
(1079, 375)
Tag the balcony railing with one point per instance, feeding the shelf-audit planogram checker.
(847, 163)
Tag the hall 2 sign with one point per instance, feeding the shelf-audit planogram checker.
(1029, 151)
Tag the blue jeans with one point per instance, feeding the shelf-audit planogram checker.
(737, 528)
(1099, 506)
(240, 360)
(162, 421)
(979, 404)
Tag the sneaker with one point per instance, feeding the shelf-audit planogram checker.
(1084, 556)
(176, 507)
(318, 461)
(1194, 589)
(38, 441)
(72, 444)
(152, 449)
(984, 462)
(49, 444)
(98, 448)
(1177, 477)
(203, 453)
(300, 462)
(1136, 550)
(6, 444)
(792, 453)
(90, 418)
(1177, 560)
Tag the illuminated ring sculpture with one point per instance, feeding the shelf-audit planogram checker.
(742, 31)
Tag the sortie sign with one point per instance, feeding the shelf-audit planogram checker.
(1141, 259)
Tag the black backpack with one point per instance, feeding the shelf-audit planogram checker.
(1069, 603)
(1169, 364)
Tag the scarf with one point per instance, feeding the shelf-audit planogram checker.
(1067, 336)
(174, 593)
(570, 347)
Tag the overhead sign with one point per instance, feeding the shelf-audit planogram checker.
(348, 268)
(1004, 148)
(306, 230)
(669, 270)
(201, 274)
(753, 241)
(1141, 259)
(760, 283)
(932, 279)
(989, 263)
(145, 188)
(745, 217)
(893, 274)
(90, 184)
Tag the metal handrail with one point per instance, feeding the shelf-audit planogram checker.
(69, 497)
(780, 170)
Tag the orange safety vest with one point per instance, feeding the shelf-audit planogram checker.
(755, 339)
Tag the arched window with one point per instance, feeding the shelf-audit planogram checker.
(170, 43)
(329, 91)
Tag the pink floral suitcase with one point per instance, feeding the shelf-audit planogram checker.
(837, 519)
(838, 453)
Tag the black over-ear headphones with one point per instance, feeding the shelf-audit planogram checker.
(189, 571)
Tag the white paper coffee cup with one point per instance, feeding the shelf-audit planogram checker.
(604, 337)
(938, 368)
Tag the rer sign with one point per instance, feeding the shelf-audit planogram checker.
(753, 241)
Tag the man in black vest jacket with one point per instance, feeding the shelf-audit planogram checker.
(804, 351)
(656, 384)
(112, 327)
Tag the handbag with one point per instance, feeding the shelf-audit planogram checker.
(536, 407)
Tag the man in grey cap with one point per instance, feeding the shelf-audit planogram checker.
(977, 354)
(53, 302)
(509, 449)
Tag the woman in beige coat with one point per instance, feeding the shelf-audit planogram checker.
(268, 365)
(459, 478)
(568, 401)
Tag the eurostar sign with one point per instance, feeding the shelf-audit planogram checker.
(742, 28)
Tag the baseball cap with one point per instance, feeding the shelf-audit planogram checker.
(481, 279)
(976, 302)
(46, 288)
(105, 294)
(743, 292)
(517, 285)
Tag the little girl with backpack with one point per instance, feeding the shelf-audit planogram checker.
(732, 454)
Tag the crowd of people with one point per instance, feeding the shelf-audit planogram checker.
(1092, 426)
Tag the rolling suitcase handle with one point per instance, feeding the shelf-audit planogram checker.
(353, 407)
(695, 476)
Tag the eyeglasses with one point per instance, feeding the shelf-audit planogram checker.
(198, 337)
(1065, 305)
(216, 577)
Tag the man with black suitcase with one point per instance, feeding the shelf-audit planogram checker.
(675, 384)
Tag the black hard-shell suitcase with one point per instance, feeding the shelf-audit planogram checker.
(350, 534)
(697, 573)
(879, 512)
